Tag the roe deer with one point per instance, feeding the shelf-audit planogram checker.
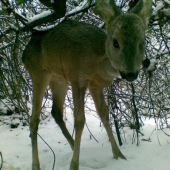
(84, 56)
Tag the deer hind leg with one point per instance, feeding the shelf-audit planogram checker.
(40, 83)
(59, 89)
(98, 97)
(79, 120)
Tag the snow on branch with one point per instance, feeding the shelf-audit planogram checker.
(83, 7)
(152, 65)
(167, 2)
(161, 7)
(161, 12)
(39, 16)
(79, 8)
(11, 27)
(46, 16)
(166, 12)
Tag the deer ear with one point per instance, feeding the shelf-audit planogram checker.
(143, 9)
(106, 9)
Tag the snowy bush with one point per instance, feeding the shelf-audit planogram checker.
(148, 96)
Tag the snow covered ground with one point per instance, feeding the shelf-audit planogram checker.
(15, 146)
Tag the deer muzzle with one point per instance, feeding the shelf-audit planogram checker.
(129, 76)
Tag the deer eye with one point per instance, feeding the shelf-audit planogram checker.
(115, 43)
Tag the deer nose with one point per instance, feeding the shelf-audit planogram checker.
(129, 76)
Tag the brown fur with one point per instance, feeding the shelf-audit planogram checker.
(85, 57)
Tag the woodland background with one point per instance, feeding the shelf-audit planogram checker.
(128, 103)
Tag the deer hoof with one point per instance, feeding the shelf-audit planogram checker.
(74, 165)
(119, 155)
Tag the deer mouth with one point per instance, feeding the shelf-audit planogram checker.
(129, 76)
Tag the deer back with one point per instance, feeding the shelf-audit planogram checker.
(79, 50)
(72, 49)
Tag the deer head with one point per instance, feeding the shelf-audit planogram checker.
(125, 44)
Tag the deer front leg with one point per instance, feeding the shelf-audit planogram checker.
(33, 129)
(40, 82)
(97, 94)
(79, 125)
(79, 118)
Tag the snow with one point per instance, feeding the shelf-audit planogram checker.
(38, 16)
(159, 6)
(152, 65)
(167, 2)
(166, 12)
(15, 146)
(81, 6)
(13, 27)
